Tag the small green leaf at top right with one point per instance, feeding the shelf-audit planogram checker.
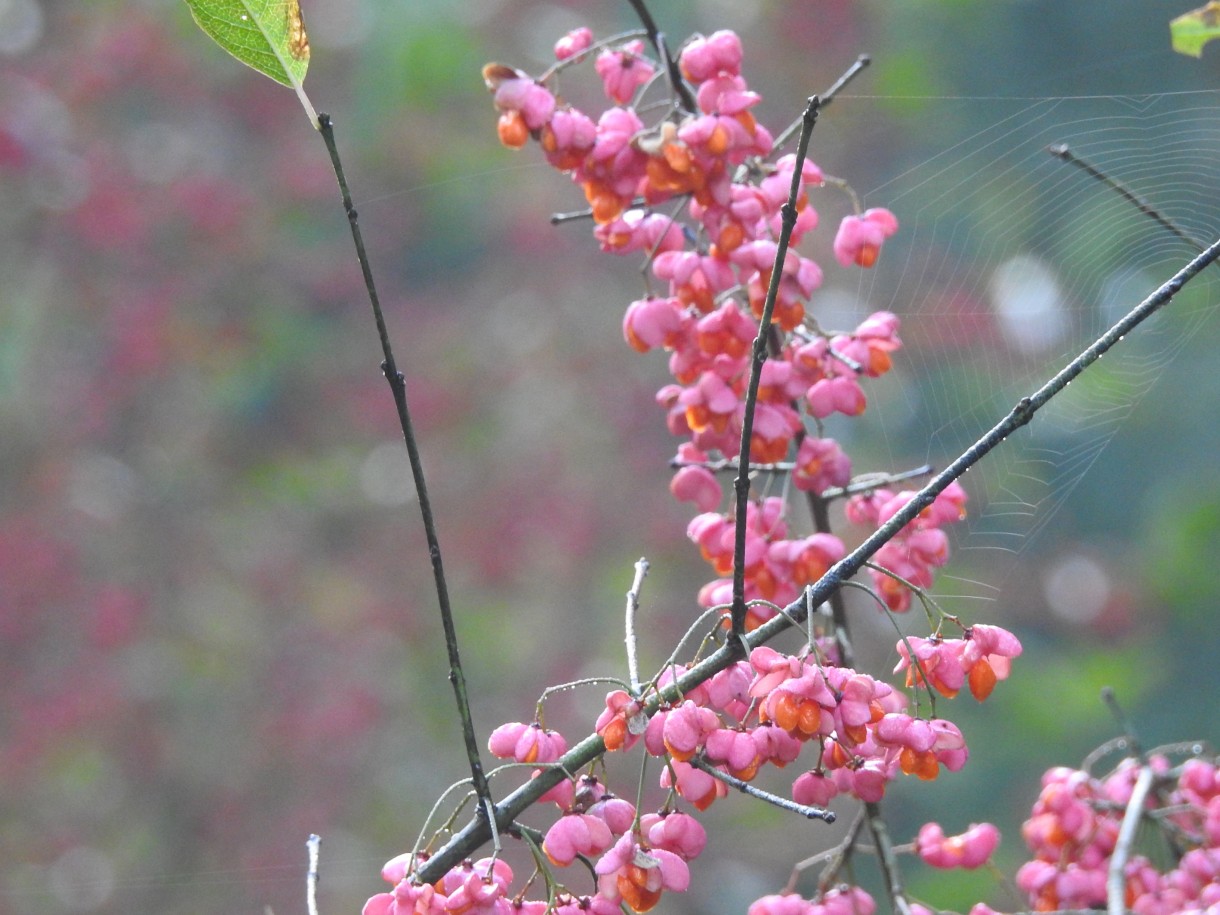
(1191, 31)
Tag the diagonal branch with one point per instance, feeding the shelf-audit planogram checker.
(478, 831)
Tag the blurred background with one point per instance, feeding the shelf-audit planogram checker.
(217, 628)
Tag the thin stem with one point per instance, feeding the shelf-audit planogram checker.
(633, 606)
(314, 847)
(742, 484)
(835, 858)
(676, 83)
(1134, 746)
(1116, 878)
(1061, 151)
(399, 391)
(826, 97)
(863, 483)
(888, 858)
(620, 38)
(807, 811)
(475, 833)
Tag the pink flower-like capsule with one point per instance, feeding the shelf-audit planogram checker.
(736, 751)
(866, 781)
(680, 833)
(637, 874)
(771, 668)
(814, 789)
(969, 850)
(479, 888)
(846, 900)
(686, 729)
(693, 784)
(576, 834)
(948, 507)
(573, 43)
(698, 485)
(654, 322)
(940, 660)
(710, 403)
(705, 58)
(729, 691)
(407, 897)
(526, 743)
(561, 795)
(859, 238)
(515, 91)
(805, 561)
(837, 394)
(775, 745)
(821, 464)
(638, 230)
(988, 657)
(618, 813)
(623, 71)
(622, 721)
(567, 138)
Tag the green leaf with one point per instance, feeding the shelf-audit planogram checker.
(1191, 31)
(268, 35)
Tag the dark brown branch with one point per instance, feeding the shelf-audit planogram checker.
(398, 389)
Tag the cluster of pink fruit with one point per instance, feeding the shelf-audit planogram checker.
(1074, 828)
(716, 267)
(754, 712)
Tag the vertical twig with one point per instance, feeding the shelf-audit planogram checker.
(741, 485)
(889, 860)
(1116, 879)
(314, 845)
(399, 391)
(633, 606)
(1134, 746)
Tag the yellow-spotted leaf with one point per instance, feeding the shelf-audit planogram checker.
(268, 35)
(1191, 31)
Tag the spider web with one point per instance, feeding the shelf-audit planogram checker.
(1010, 261)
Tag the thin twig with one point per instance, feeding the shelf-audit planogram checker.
(314, 845)
(1134, 746)
(889, 860)
(620, 38)
(742, 484)
(633, 606)
(842, 854)
(826, 97)
(1061, 151)
(676, 83)
(1116, 878)
(863, 483)
(475, 833)
(808, 811)
(399, 391)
